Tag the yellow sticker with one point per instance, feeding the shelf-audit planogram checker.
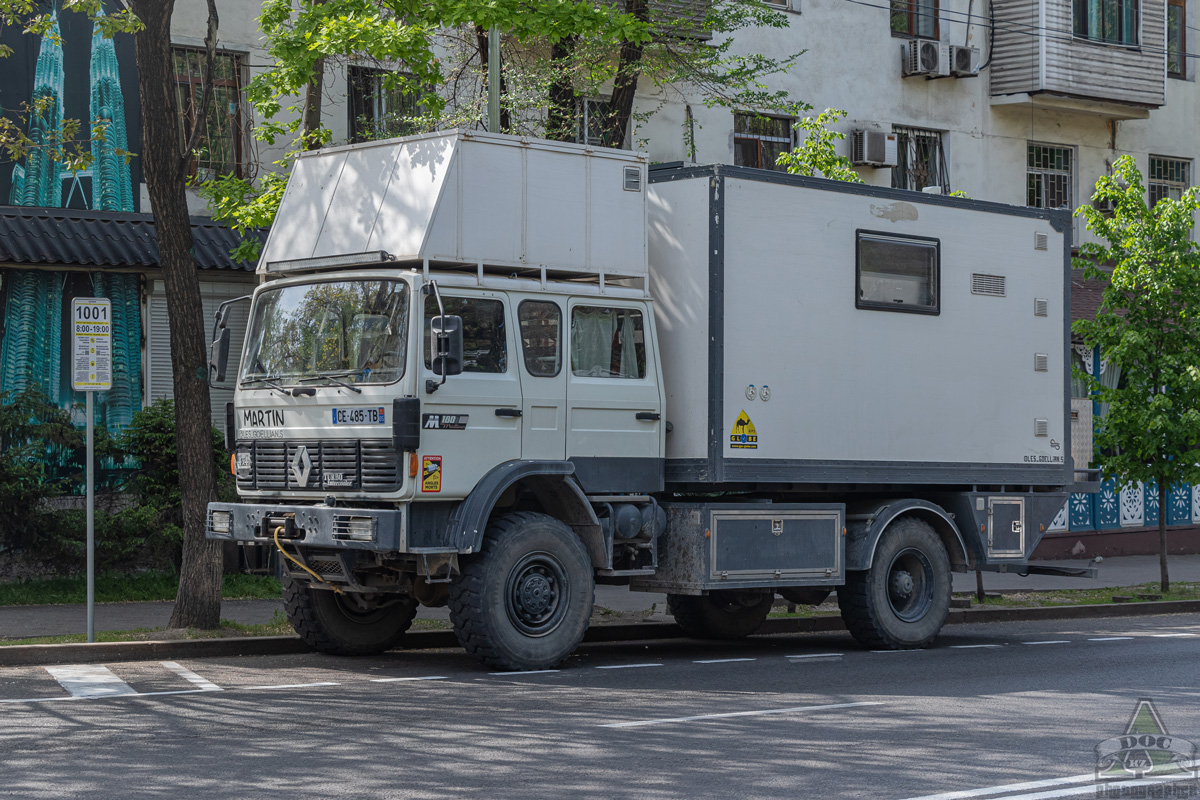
(743, 436)
(431, 473)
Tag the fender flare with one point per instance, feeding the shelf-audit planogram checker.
(554, 485)
(862, 535)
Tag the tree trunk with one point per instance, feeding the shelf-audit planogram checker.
(1164, 581)
(481, 43)
(562, 115)
(199, 601)
(625, 84)
(312, 100)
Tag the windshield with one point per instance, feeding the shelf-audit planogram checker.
(355, 331)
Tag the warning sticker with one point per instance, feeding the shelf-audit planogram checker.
(743, 436)
(431, 473)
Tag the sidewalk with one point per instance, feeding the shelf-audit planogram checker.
(22, 622)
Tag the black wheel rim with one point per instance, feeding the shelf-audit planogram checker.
(535, 596)
(910, 584)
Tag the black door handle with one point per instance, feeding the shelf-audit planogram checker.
(649, 416)
(508, 412)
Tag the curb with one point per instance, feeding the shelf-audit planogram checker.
(39, 654)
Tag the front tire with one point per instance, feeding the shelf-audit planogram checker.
(723, 614)
(902, 601)
(524, 602)
(347, 624)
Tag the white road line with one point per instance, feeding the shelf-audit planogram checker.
(971, 646)
(1051, 641)
(721, 660)
(816, 655)
(1079, 785)
(793, 710)
(191, 677)
(85, 697)
(424, 678)
(90, 680)
(1110, 639)
(294, 685)
(526, 672)
(629, 666)
(895, 651)
(1170, 635)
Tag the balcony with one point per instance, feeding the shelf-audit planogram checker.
(1039, 60)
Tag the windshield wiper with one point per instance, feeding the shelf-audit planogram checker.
(349, 386)
(270, 382)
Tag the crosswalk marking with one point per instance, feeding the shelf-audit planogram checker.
(90, 680)
(191, 677)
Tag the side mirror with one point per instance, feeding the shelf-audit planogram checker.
(218, 348)
(218, 359)
(446, 345)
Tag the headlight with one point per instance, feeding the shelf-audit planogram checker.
(360, 529)
(222, 522)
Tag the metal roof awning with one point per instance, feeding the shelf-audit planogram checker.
(69, 237)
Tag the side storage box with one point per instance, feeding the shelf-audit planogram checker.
(748, 545)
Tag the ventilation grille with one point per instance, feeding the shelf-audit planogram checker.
(1041, 362)
(633, 179)
(1041, 427)
(1041, 308)
(990, 285)
(1041, 241)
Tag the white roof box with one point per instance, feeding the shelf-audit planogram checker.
(506, 202)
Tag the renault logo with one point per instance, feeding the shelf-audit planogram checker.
(301, 466)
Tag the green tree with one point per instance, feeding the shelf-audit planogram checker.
(165, 163)
(1148, 324)
(815, 156)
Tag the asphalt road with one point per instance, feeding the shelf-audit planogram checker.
(992, 711)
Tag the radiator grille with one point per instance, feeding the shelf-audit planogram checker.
(333, 465)
(990, 285)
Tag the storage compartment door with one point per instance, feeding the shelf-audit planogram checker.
(761, 544)
(1006, 527)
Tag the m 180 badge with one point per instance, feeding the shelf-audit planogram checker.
(444, 422)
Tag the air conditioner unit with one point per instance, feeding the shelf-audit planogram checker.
(964, 61)
(1106, 206)
(873, 148)
(925, 57)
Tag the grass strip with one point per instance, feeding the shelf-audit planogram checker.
(117, 588)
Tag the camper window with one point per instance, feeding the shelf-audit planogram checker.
(897, 273)
(541, 340)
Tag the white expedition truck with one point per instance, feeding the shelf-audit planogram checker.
(492, 372)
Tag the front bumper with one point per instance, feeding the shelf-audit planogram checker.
(313, 526)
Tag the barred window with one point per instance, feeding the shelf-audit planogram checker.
(1107, 20)
(921, 160)
(758, 140)
(591, 120)
(1049, 176)
(1168, 178)
(220, 147)
(377, 110)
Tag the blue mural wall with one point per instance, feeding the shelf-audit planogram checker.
(72, 73)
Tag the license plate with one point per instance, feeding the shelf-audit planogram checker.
(358, 416)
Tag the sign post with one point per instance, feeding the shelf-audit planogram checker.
(91, 371)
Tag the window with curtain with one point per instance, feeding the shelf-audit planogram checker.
(915, 18)
(1114, 21)
(607, 343)
(1176, 38)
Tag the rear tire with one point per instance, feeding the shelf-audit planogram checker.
(902, 601)
(348, 624)
(723, 614)
(524, 602)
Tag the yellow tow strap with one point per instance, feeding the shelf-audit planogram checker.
(296, 561)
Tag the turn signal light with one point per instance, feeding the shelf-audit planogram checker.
(412, 464)
(232, 468)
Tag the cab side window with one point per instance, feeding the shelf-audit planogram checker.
(484, 348)
(541, 337)
(607, 342)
